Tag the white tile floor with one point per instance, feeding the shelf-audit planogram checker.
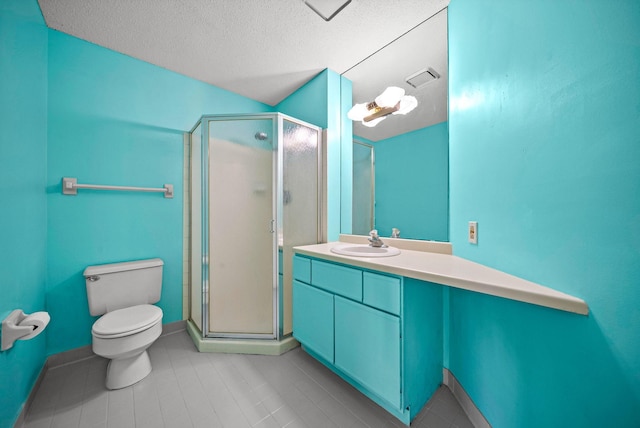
(191, 389)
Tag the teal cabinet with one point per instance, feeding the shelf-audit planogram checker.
(382, 333)
(367, 346)
(313, 321)
(302, 269)
(340, 280)
(381, 291)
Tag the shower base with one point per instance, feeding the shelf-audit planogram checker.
(240, 346)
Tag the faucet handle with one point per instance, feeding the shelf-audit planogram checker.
(375, 239)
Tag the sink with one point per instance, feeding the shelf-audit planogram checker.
(364, 250)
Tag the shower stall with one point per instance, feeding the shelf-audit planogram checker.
(255, 185)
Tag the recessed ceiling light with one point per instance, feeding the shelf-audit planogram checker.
(327, 9)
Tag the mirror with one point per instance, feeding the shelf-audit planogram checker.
(401, 166)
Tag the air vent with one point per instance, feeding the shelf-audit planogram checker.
(422, 77)
(327, 9)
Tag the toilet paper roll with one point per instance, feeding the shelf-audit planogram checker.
(38, 321)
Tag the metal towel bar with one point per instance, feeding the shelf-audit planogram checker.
(70, 186)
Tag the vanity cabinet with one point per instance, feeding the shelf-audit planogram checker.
(366, 332)
(314, 319)
(380, 332)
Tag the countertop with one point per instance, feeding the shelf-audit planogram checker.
(457, 272)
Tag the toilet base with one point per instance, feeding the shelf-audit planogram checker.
(127, 371)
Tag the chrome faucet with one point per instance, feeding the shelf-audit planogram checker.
(375, 240)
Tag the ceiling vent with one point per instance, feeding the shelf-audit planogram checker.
(327, 9)
(422, 77)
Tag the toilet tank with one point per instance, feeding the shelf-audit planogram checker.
(120, 285)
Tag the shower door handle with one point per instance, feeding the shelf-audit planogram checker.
(271, 226)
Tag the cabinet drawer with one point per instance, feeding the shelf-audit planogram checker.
(382, 292)
(302, 269)
(340, 280)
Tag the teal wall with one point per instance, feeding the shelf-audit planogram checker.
(544, 148)
(412, 184)
(119, 121)
(318, 102)
(23, 211)
(73, 109)
(310, 101)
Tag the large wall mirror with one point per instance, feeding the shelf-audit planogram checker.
(401, 165)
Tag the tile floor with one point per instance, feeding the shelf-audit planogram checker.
(191, 389)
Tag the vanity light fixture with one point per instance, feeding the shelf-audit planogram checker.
(391, 101)
(327, 9)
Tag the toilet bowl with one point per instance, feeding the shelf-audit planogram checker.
(124, 293)
(123, 336)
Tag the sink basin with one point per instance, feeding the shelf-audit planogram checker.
(364, 250)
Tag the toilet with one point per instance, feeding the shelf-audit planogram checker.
(124, 293)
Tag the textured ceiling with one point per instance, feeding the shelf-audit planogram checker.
(262, 49)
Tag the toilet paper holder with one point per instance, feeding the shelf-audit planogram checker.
(20, 326)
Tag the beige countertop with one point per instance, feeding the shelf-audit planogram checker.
(454, 271)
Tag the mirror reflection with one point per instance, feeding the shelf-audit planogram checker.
(401, 161)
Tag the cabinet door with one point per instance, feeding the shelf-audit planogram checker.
(367, 348)
(313, 319)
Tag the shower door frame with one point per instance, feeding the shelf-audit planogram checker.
(277, 198)
(372, 193)
(321, 203)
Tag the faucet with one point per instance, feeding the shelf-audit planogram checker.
(395, 233)
(375, 240)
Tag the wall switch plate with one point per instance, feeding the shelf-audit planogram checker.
(473, 232)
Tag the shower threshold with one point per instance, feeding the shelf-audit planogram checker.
(240, 346)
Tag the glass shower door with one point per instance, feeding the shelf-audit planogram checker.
(242, 246)
(301, 199)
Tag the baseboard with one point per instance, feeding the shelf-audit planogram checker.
(25, 408)
(240, 346)
(173, 327)
(70, 357)
(73, 356)
(85, 352)
(473, 413)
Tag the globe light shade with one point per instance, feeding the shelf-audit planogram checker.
(390, 97)
(407, 103)
(392, 101)
(358, 112)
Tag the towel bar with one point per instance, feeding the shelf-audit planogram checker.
(70, 186)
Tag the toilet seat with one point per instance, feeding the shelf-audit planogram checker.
(126, 321)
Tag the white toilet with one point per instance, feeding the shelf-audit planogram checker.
(124, 293)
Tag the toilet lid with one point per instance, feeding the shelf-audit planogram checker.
(126, 321)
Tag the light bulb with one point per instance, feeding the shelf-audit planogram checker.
(390, 97)
(407, 103)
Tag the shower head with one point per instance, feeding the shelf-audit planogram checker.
(261, 136)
